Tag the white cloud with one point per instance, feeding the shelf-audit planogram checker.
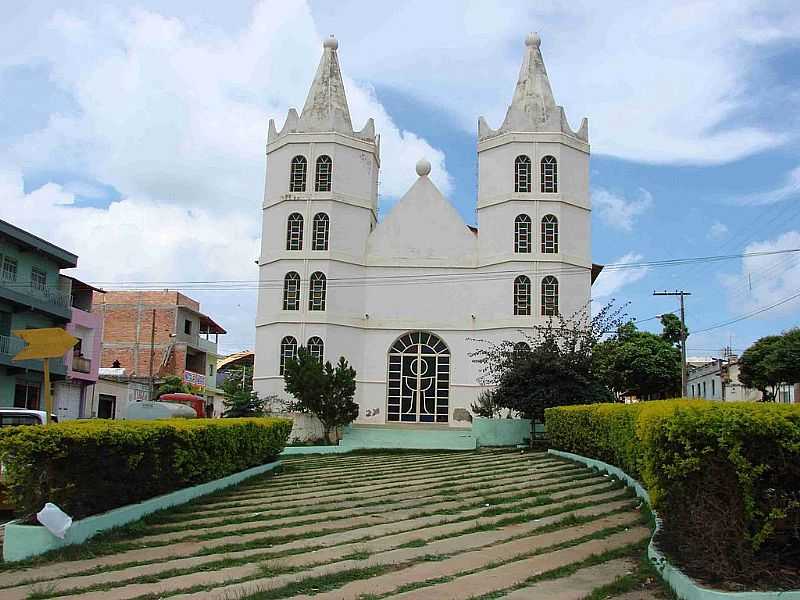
(717, 231)
(612, 281)
(765, 280)
(619, 212)
(789, 188)
(661, 81)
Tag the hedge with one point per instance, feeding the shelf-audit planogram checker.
(89, 467)
(724, 477)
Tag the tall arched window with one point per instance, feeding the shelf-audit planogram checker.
(294, 232)
(297, 178)
(288, 350)
(291, 291)
(319, 241)
(316, 291)
(322, 181)
(522, 174)
(316, 347)
(419, 379)
(549, 234)
(522, 295)
(549, 296)
(522, 234)
(549, 175)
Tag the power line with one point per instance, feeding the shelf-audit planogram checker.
(750, 314)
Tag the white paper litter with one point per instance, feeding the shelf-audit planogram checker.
(55, 520)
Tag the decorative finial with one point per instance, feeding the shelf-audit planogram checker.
(331, 43)
(533, 39)
(423, 167)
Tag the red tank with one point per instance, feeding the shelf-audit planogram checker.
(195, 402)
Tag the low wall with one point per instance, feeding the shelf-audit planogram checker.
(501, 432)
(24, 541)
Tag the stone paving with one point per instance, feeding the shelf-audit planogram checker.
(415, 525)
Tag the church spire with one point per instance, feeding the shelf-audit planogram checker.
(533, 107)
(326, 107)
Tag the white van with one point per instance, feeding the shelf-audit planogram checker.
(11, 417)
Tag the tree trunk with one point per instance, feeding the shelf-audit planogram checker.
(327, 434)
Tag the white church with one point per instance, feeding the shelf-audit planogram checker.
(403, 298)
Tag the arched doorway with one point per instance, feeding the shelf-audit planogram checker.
(419, 379)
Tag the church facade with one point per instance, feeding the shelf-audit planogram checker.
(404, 299)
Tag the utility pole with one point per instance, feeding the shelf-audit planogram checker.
(684, 374)
(152, 352)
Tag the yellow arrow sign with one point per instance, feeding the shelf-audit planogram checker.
(50, 342)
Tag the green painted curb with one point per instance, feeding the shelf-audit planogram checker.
(24, 541)
(681, 584)
(296, 450)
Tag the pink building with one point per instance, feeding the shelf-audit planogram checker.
(73, 395)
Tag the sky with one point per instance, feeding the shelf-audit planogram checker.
(133, 133)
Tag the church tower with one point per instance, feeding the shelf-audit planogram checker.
(320, 205)
(533, 198)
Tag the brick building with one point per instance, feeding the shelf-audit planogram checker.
(183, 339)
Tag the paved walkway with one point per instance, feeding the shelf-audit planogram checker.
(417, 525)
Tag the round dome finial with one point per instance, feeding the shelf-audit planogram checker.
(331, 43)
(423, 167)
(533, 39)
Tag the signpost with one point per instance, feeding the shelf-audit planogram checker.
(46, 343)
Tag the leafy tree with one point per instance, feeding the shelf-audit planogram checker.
(174, 385)
(240, 399)
(554, 367)
(322, 390)
(486, 406)
(640, 363)
(671, 325)
(771, 362)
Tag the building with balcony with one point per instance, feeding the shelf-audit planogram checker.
(73, 395)
(33, 294)
(159, 334)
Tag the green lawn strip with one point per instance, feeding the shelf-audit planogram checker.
(267, 555)
(325, 515)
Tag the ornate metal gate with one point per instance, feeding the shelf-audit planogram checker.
(419, 379)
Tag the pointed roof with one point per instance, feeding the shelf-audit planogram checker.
(423, 225)
(325, 109)
(533, 107)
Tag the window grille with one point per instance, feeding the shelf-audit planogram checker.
(322, 181)
(549, 296)
(294, 232)
(522, 174)
(550, 234)
(9, 269)
(549, 175)
(522, 295)
(316, 291)
(288, 350)
(316, 347)
(291, 291)
(320, 234)
(297, 179)
(38, 279)
(522, 234)
(419, 379)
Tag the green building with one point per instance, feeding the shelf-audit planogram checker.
(33, 294)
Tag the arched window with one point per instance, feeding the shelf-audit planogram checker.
(316, 291)
(322, 181)
(291, 291)
(316, 347)
(288, 350)
(522, 234)
(549, 296)
(522, 347)
(419, 379)
(294, 232)
(297, 179)
(522, 295)
(549, 234)
(319, 241)
(549, 175)
(522, 174)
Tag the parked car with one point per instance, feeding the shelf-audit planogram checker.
(14, 417)
(147, 410)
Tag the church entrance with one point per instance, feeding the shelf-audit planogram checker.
(419, 379)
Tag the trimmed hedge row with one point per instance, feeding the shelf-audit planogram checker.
(724, 477)
(89, 467)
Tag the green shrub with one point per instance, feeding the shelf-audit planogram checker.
(725, 477)
(90, 467)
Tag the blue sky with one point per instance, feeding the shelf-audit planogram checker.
(132, 132)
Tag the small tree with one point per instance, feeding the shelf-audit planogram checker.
(174, 385)
(486, 406)
(321, 390)
(240, 399)
(771, 362)
(671, 331)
